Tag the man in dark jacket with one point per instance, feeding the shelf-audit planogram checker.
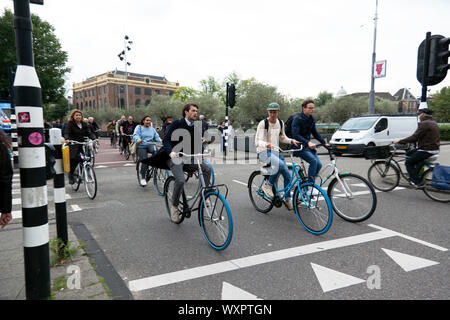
(6, 174)
(303, 126)
(427, 136)
(189, 143)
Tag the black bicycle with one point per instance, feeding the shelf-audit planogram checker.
(159, 176)
(385, 171)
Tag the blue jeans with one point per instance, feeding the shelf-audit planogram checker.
(277, 161)
(311, 157)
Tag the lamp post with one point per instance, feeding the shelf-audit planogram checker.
(68, 103)
(372, 77)
(123, 56)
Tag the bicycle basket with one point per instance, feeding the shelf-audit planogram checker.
(378, 152)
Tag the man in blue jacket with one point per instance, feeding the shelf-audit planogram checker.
(191, 143)
(303, 126)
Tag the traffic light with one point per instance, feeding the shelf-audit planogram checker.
(231, 95)
(49, 161)
(432, 59)
(439, 54)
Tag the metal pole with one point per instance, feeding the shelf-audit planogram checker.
(30, 131)
(126, 70)
(426, 58)
(11, 75)
(372, 77)
(59, 187)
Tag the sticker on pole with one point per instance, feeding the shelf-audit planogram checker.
(380, 69)
(35, 138)
(24, 117)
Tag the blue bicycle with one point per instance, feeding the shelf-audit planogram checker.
(311, 204)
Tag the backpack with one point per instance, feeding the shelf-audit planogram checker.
(266, 124)
(288, 129)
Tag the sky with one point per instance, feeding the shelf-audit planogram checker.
(302, 47)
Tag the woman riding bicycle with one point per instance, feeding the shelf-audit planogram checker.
(143, 135)
(76, 130)
(264, 141)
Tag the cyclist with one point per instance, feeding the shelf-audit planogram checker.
(303, 126)
(172, 143)
(127, 127)
(118, 124)
(111, 130)
(77, 130)
(427, 136)
(143, 134)
(94, 126)
(264, 141)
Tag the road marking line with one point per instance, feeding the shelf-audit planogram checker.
(198, 272)
(408, 262)
(330, 279)
(235, 264)
(112, 162)
(240, 182)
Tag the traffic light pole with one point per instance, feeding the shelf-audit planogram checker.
(423, 98)
(30, 132)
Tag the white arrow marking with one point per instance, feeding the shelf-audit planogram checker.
(408, 262)
(129, 164)
(230, 292)
(330, 279)
(96, 167)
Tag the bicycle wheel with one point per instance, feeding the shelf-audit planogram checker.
(76, 178)
(216, 220)
(168, 191)
(435, 194)
(314, 212)
(126, 152)
(257, 197)
(90, 181)
(159, 179)
(353, 198)
(383, 176)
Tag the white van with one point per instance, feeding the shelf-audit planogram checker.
(372, 130)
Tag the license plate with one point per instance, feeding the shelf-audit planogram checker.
(342, 147)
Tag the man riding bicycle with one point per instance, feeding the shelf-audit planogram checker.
(144, 134)
(265, 140)
(427, 136)
(183, 135)
(126, 130)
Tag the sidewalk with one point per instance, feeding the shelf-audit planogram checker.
(12, 274)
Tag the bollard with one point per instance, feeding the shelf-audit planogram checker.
(247, 149)
(59, 187)
(235, 148)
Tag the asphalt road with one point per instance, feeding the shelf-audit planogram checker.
(401, 252)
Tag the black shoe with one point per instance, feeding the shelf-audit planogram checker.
(417, 185)
(71, 181)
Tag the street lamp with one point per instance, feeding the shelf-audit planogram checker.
(372, 76)
(68, 103)
(123, 56)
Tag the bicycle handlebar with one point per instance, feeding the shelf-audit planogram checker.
(289, 150)
(193, 155)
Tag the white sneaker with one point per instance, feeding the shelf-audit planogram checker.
(288, 203)
(174, 214)
(143, 182)
(267, 189)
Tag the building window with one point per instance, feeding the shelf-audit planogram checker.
(78, 107)
(85, 94)
(106, 102)
(90, 104)
(137, 90)
(147, 103)
(99, 103)
(93, 104)
(170, 93)
(157, 92)
(104, 89)
(93, 92)
(148, 91)
(138, 102)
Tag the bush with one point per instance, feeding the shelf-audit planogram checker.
(445, 132)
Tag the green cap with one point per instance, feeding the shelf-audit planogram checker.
(273, 106)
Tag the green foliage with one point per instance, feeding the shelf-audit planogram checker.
(339, 110)
(440, 104)
(445, 132)
(49, 58)
(322, 99)
(61, 252)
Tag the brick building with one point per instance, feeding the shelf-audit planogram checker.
(108, 90)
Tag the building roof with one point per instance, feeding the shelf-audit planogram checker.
(404, 94)
(382, 95)
(132, 74)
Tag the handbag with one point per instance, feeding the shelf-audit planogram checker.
(133, 147)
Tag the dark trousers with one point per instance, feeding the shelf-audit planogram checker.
(414, 161)
(142, 152)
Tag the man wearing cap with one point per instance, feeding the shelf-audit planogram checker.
(303, 126)
(427, 136)
(265, 141)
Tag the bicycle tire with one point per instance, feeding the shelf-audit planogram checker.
(159, 179)
(168, 188)
(76, 178)
(126, 152)
(90, 179)
(258, 199)
(360, 205)
(308, 208)
(435, 194)
(217, 227)
(383, 176)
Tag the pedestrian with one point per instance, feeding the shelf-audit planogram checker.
(111, 130)
(6, 174)
(57, 124)
(303, 126)
(165, 126)
(221, 129)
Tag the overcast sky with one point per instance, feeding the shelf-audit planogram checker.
(302, 47)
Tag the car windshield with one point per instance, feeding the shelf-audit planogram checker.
(358, 123)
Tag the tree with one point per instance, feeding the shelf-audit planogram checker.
(49, 58)
(322, 98)
(185, 93)
(440, 104)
